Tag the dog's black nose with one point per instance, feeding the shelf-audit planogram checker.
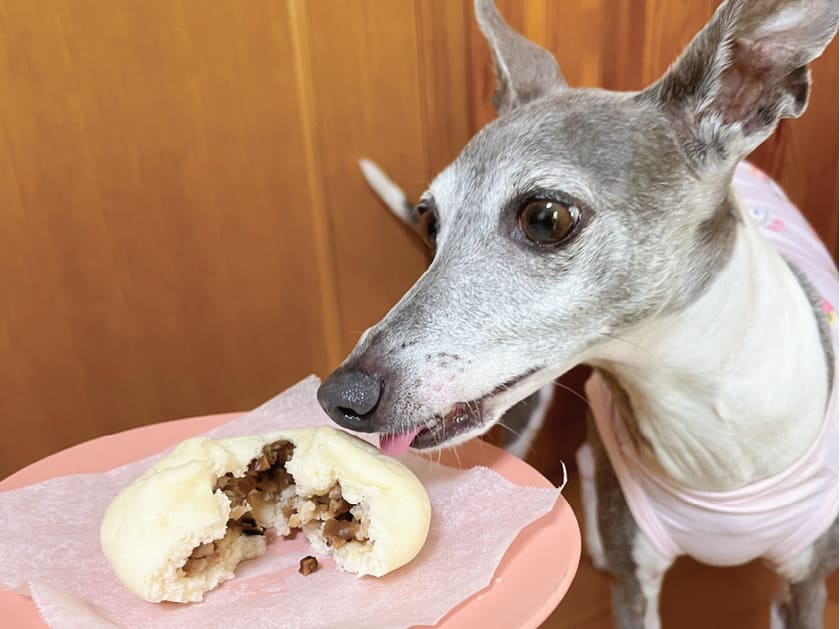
(349, 397)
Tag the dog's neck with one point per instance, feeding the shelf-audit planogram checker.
(732, 388)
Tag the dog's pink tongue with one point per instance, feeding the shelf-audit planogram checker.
(397, 444)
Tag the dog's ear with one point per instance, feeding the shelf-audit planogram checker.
(747, 69)
(524, 71)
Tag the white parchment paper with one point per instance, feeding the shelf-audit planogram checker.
(49, 549)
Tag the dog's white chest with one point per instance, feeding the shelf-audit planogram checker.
(734, 388)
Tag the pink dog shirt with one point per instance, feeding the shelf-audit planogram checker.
(775, 518)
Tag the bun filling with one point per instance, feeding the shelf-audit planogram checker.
(266, 497)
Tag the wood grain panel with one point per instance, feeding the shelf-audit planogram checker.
(624, 40)
(577, 38)
(155, 236)
(669, 27)
(442, 53)
(367, 103)
(185, 227)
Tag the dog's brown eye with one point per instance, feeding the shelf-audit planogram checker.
(548, 222)
(428, 226)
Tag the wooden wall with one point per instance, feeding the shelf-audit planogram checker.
(184, 228)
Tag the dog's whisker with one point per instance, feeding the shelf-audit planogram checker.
(616, 337)
(573, 392)
(518, 435)
(457, 458)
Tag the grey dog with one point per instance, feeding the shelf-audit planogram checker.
(597, 227)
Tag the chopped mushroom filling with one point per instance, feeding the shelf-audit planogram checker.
(266, 482)
(308, 565)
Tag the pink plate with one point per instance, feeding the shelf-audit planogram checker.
(531, 580)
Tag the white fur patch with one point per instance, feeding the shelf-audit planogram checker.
(589, 498)
(798, 568)
(698, 380)
(650, 570)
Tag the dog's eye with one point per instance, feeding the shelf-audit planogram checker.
(548, 222)
(428, 225)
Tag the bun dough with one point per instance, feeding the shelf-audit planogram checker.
(182, 527)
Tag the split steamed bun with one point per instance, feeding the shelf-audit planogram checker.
(182, 527)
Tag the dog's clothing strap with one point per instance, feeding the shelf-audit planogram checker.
(775, 518)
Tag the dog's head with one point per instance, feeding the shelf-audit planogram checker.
(572, 217)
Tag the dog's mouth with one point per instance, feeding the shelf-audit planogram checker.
(438, 431)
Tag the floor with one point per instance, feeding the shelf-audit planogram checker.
(693, 597)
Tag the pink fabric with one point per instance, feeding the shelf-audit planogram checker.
(775, 518)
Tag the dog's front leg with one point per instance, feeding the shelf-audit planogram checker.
(801, 603)
(585, 458)
(624, 550)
